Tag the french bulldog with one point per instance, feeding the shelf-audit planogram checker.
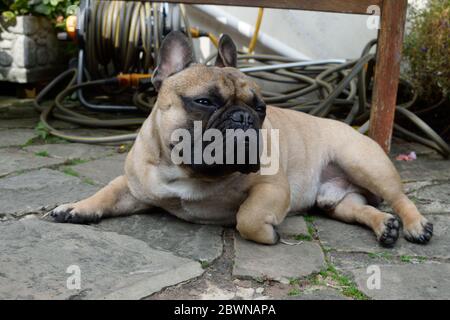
(322, 163)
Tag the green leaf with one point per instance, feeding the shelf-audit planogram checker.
(43, 9)
(8, 16)
(42, 131)
(55, 2)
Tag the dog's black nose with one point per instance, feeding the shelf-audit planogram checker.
(243, 118)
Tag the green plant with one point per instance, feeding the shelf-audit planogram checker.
(89, 181)
(303, 237)
(427, 50)
(70, 172)
(42, 131)
(294, 292)
(73, 162)
(345, 284)
(41, 153)
(412, 259)
(380, 255)
(56, 10)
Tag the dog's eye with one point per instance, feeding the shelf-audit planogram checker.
(260, 108)
(204, 102)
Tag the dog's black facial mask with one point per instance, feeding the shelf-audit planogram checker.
(239, 126)
(238, 121)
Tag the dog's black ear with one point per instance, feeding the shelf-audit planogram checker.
(227, 52)
(175, 54)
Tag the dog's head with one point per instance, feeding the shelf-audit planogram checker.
(205, 101)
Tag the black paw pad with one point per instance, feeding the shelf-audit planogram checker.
(69, 216)
(61, 215)
(391, 233)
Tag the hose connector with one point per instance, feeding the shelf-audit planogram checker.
(132, 79)
(71, 27)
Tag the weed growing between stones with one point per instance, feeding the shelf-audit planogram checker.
(70, 172)
(42, 154)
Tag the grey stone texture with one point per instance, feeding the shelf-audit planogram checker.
(12, 108)
(353, 238)
(279, 261)
(428, 281)
(424, 170)
(293, 226)
(321, 294)
(29, 50)
(162, 231)
(15, 137)
(14, 160)
(39, 191)
(72, 151)
(38, 259)
(102, 171)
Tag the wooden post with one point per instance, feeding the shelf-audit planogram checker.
(390, 44)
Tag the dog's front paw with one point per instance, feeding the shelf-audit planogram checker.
(265, 233)
(390, 231)
(74, 213)
(419, 232)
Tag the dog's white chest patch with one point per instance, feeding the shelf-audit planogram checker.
(207, 202)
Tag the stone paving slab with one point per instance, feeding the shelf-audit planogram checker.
(15, 137)
(102, 171)
(70, 151)
(428, 281)
(424, 170)
(39, 191)
(165, 232)
(322, 294)
(354, 238)
(12, 108)
(293, 226)
(35, 255)
(402, 147)
(14, 159)
(98, 132)
(274, 262)
(430, 197)
(25, 123)
(433, 199)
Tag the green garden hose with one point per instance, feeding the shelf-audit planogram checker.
(121, 39)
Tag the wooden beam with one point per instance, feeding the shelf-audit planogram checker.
(340, 6)
(390, 44)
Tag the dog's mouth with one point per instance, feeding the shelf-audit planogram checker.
(228, 142)
(238, 151)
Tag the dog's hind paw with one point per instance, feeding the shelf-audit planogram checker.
(390, 234)
(420, 232)
(70, 213)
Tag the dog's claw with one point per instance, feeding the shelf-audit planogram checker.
(68, 214)
(422, 237)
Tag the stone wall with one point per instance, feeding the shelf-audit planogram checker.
(28, 50)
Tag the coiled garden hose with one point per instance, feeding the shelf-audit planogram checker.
(333, 89)
(326, 90)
